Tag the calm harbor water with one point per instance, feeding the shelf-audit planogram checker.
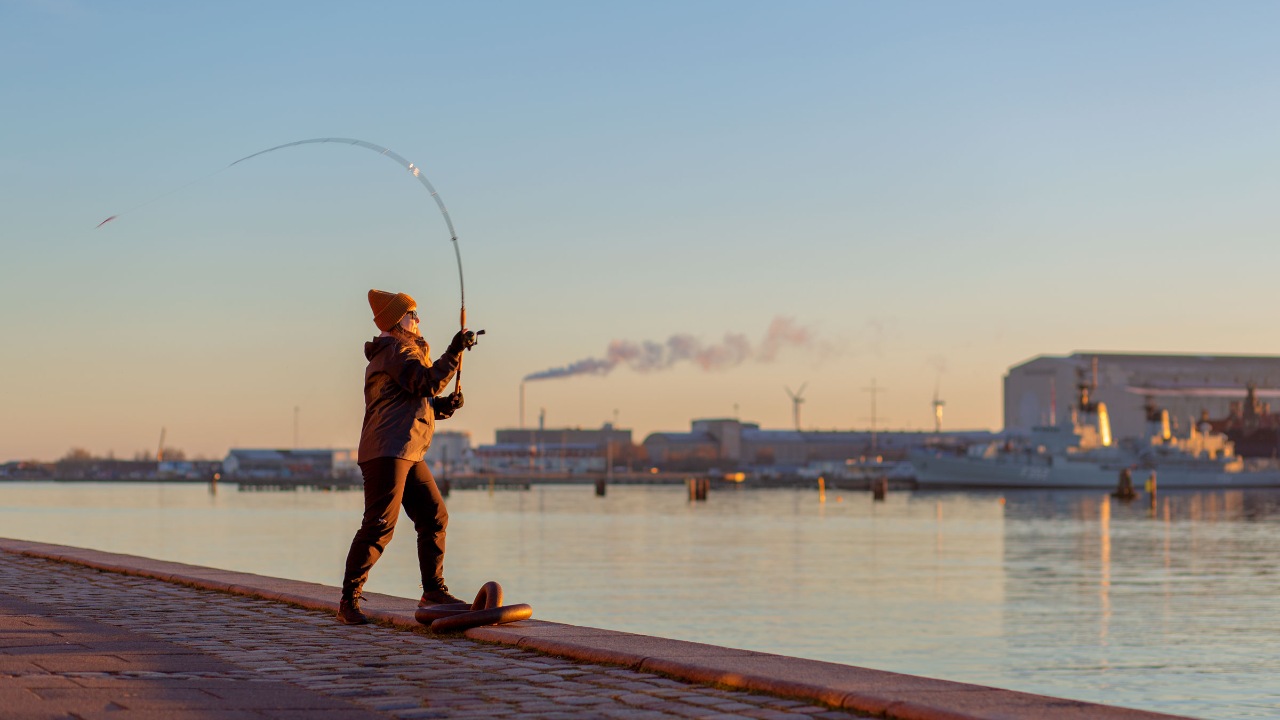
(1173, 608)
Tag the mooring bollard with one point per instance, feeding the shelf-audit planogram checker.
(486, 610)
(601, 487)
(879, 488)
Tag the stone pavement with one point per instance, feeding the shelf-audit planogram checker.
(55, 666)
(82, 643)
(282, 631)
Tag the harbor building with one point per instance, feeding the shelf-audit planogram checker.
(275, 464)
(1192, 388)
(450, 453)
(547, 437)
(27, 470)
(554, 458)
(729, 443)
(567, 451)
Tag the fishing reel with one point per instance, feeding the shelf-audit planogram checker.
(471, 339)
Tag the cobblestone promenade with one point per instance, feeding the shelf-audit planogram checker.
(81, 643)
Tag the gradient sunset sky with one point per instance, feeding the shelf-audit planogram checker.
(932, 191)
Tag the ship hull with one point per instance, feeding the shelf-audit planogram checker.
(936, 471)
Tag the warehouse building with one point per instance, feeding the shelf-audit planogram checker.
(1044, 389)
(729, 443)
(450, 453)
(554, 450)
(269, 463)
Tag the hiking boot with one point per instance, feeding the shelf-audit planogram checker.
(349, 612)
(439, 597)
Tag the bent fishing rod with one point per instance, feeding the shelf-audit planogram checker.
(413, 170)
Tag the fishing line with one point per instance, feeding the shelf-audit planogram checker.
(162, 196)
(385, 152)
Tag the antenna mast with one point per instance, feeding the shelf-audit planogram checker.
(874, 390)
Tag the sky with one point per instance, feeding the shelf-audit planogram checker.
(927, 192)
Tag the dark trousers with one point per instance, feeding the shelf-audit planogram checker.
(388, 484)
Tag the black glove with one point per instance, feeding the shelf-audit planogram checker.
(446, 405)
(454, 400)
(464, 340)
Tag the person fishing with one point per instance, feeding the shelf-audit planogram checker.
(402, 403)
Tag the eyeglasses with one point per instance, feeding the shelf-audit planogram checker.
(413, 314)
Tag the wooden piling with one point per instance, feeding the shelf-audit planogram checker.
(880, 488)
(1124, 487)
(698, 488)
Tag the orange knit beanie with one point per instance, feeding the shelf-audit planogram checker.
(388, 308)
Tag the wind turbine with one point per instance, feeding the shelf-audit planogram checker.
(797, 398)
(937, 411)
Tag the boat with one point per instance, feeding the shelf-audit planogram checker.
(1250, 425)
(858, 472)
(1085, 455)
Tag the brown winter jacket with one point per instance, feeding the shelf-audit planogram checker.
(399, 384)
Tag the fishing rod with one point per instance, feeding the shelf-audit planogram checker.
(413, 170)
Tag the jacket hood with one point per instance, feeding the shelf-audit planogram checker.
(377, 345)
(381, 343)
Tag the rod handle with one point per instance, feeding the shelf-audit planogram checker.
(462, 325)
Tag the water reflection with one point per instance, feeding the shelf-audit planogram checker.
(1177, 591)
(1066, 593)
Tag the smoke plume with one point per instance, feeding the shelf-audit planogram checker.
(650, 356)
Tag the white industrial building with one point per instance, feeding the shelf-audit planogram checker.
(450, 453)
(730, 443)
(273, 463)
(1044, 390)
